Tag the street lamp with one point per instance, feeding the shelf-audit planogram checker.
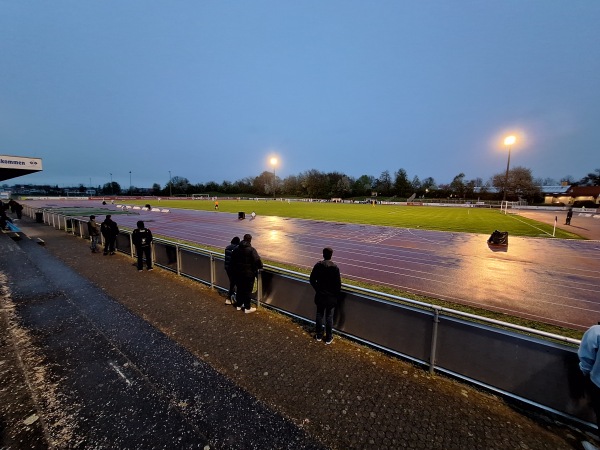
(130, 182)
(274, 163)
(111, 185)
(508, 142)
(170, 185)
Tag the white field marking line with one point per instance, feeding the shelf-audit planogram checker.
(422, 238)
(515, 217)
(119, 372)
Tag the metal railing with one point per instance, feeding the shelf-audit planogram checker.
(533, 367)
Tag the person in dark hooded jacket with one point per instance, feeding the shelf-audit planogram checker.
(142, 239)
(245, 263)
(326, 281)
(229, 269)
(110, 231)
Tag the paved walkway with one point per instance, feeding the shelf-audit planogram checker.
(103, 356)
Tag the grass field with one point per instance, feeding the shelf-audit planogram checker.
(461, 220)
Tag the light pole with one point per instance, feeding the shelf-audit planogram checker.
(130, 182)
(508, 142)
(274, 163)
(111, 185)
(170, 185)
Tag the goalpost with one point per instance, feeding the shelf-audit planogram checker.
(200, 197)
(506, 204)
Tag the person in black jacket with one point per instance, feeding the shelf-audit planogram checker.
(245, 263)
(229, 269)
(109, 230)
(326, 281)
(142, 238)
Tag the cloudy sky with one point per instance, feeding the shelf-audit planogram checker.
(209, 90)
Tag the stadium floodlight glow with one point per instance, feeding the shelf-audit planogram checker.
(508, 142)
(273, 161)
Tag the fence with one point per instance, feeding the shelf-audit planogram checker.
(536, 368)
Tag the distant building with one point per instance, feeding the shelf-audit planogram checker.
(568, 195)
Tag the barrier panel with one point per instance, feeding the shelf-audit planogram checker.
(165, 255)
(513, 361)
(196, 265)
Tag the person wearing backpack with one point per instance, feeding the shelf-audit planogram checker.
(109, 230)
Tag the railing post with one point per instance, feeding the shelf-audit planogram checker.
(178, 259)
(212, 271)
(259, 290)
(434, 333)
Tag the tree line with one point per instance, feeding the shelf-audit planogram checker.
(519, 184)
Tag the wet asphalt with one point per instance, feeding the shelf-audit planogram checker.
(97, 355)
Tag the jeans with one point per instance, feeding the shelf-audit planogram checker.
(327, 313)
(94, 243)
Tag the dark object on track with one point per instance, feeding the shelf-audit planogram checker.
(498, 238)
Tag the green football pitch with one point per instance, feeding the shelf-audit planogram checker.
(449, 219)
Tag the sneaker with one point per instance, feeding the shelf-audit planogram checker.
(250, 310)
(140, 270)
(112, 253)
(228, 302)
(588, 446)
(318, 338)
(239, 308)
(151, 268)
(329, 341)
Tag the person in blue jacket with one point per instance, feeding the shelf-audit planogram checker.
(589, 363)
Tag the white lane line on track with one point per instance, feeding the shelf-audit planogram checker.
(463, 301)
(117, 369)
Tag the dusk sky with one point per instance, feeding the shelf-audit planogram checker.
(209, 90)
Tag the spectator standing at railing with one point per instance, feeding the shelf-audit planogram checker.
(326, 281)
(229, 269)
(109, 230)
(16, 208)
(94, 232)
(589, 363)
(4, 219)
(246, 263)
(142, 240)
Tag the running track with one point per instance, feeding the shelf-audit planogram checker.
(549, 280)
